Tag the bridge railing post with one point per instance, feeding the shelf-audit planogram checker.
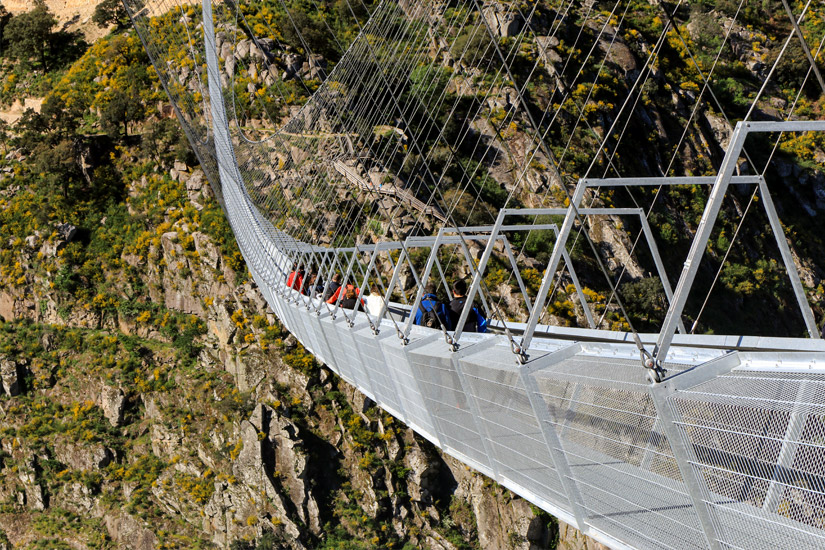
(678, 437)
(477, 276)
(393, 282)
(552, 266)
(546, 423)
(422, 281)
(787, 259)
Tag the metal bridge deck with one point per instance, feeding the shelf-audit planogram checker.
(590, 405)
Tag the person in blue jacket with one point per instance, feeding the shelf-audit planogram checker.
(431, 313)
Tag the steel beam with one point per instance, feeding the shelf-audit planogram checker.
(700, 240)
(787, 259)
(547, 423)
(790, 443)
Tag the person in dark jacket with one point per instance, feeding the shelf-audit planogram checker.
(342, 292)
(431, 313)
(333, 287)
(475, 321)
(315, 285)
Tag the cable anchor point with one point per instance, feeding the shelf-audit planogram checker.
(521, 355)
(655, 371)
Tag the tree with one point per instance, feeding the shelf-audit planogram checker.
(4, 134)
(5, 16)
(474, 48)
(28, 34)
(111, 12)
(59, 167)
(301, 29)
(165, 142)
(61, 119)
(30, 129)
(124, 107)
(645, 301)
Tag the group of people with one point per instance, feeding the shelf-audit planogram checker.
(349, 297)
(431, 312)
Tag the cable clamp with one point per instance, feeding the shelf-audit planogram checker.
(520, 354)
(656, 372)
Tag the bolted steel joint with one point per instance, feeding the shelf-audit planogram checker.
(655, 371)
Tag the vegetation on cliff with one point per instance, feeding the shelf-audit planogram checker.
(149, 397)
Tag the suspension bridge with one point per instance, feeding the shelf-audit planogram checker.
(444, 136)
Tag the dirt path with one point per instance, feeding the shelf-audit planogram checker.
(13, 113)
(72, 15)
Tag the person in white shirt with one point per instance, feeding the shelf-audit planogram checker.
(374, 302)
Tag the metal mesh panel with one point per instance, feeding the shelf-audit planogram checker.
(376, 366)
(299, 328)
(290, 319)
(623, 467)
(516, 442)
(757, 440)
(324, 351)
(448, 404)
(337, 354)
(351, 354)
(411, 398)
(309, 330)
(606, 406)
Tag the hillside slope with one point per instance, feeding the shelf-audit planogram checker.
(149, 397)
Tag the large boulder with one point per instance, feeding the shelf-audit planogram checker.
(502, 20)
(11, 376)
(112, 401)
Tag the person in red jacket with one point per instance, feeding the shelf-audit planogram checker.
(296, 278)
(334, 298)
(351, 300)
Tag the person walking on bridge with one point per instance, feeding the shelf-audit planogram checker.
(351, 300)
(334, 298)
(333, 287)
(295, 279)
(375, 302)
(431, 313)
(475, 320)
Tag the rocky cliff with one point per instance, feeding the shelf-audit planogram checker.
(151, 400)
(117, 435)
